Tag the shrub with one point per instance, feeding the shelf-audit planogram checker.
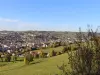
(86, 59)
(7, 57)
(1, 56)
(41, 55)
(52, 53)
(26, 61)
(58, 53)
(23, 51)
(65, 49)
(36, 55)
(75, 48)
(28, 58)
(14, 57)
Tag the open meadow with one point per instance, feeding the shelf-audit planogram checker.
(41, 66)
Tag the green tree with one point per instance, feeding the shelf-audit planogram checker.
(28, 58)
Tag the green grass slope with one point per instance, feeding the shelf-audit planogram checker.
(45, 66)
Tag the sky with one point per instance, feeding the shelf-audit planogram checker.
(49, 15)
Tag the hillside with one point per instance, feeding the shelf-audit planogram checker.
(45, 66)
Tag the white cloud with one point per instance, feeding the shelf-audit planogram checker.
(8, 20)
(12, 24)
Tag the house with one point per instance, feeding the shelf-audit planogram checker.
(44, 45)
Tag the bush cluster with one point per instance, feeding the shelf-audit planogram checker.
(52, 53)
(7, 57)
(28, 58)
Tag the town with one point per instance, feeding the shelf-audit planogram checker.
(11, 40)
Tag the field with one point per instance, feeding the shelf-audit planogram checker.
(42, 66)
(57, 49)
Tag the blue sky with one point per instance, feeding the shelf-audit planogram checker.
(57, 15)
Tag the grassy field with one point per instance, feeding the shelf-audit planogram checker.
(42, 66)
(55, 49)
